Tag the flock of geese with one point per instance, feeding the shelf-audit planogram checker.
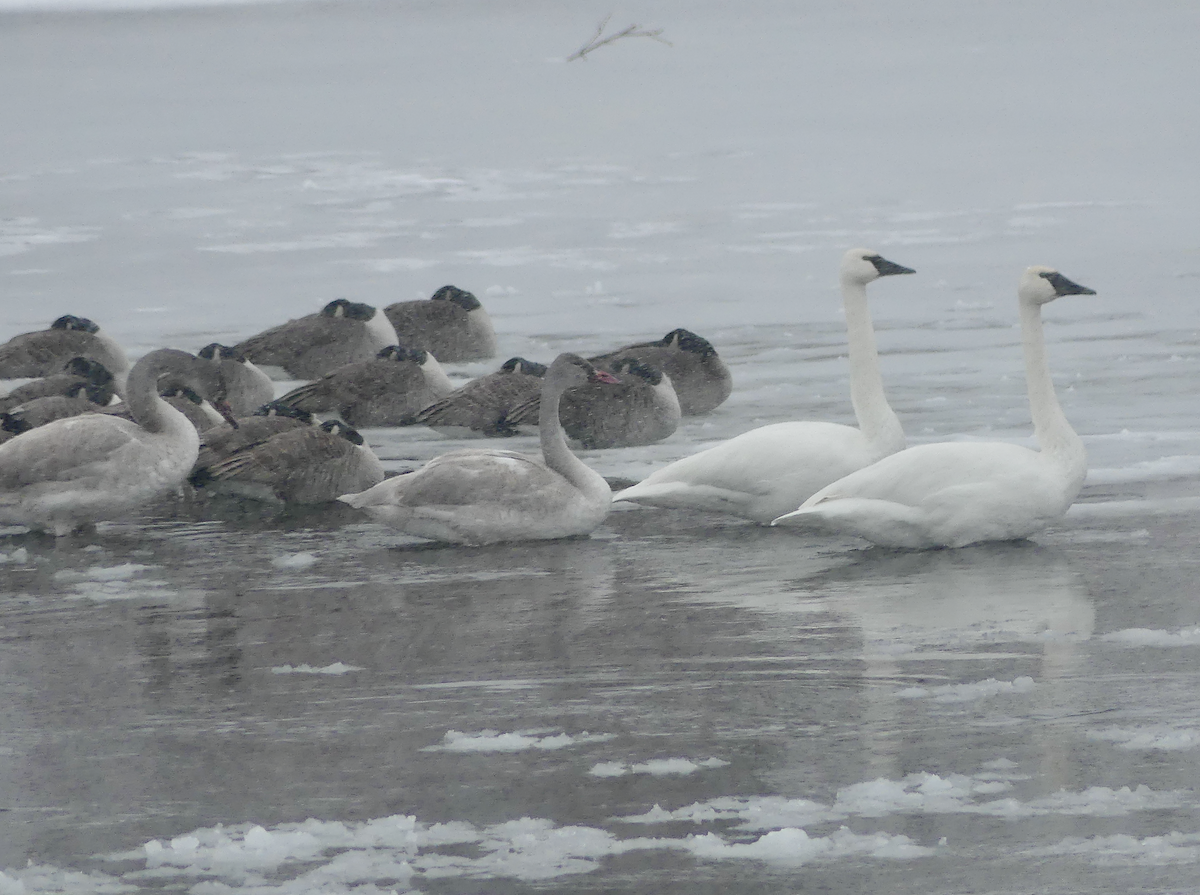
(73, 454)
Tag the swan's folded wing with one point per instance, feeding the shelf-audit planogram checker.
(63, 450)
(463, 478)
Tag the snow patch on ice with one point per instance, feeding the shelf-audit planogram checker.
(335, 668)
(1173, 848)
(919, 793)
(20, 555)
(658, 767)
(1159, 737)
(794, 846)
(968, 692)
(1153, 637)
(294, 561)
(493, 741)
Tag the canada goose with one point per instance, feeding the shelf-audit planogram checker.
(640, 409)
(451, 324)
(387, 390)
(311, 346)
(46, 351)
(771, 470)
(266, 422)
(96, 466)
(483, 405)
(700, 378)
(246, 386)
(487, 495)
(80, 378)
(311, 464)
(957, 493)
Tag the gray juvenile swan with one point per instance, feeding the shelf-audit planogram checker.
(640, 409)
(311, 346)
(959, 493)
(96, 466)
(387, 390)
(483, 406)
(771, 470)
(700, 378)
(487, 496)
(451, 324)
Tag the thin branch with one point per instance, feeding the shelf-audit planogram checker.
(598, 40)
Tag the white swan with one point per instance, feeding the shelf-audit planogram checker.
(959, 493)
(487, 496)
(768, 471)
(96, 466)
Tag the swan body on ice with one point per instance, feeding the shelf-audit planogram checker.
(451, 324)
(96, 466)
(959, 493)
(486, 496)
(768, 471)
(698, 375)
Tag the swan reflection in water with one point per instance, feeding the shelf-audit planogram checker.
(958, 617)
(1018, 591)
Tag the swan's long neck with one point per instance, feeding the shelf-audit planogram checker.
(554, 440)
(1050, 427)
(146, 406)
(876, 420)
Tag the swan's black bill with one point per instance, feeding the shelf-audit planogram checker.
(1063, 286)
(888, 268)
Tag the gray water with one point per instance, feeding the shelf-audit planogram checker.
(221, 697)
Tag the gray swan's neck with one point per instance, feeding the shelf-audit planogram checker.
(554, 443)
(876, 420)
(1050, 427)
(146, 406)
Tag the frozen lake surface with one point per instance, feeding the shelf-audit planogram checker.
(221, 698)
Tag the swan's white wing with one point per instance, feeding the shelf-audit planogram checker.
(916, 476)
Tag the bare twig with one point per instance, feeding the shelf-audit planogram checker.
(599, 40)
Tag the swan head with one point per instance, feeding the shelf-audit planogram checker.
(75, 324)
(1040, 285)
(340, 429)
(520, 365)
(865, 265)
(460, 297)
(570, 370)
(275, 408)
